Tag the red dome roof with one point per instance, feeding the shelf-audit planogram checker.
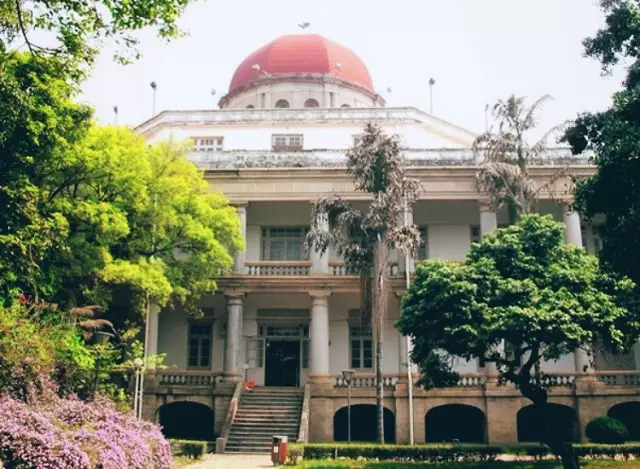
(303, 53)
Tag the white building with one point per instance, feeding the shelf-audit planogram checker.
(285, 319)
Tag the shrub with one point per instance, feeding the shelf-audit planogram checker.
(192, 449)
(607, 430)
(295, 453)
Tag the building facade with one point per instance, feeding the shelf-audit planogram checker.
(287, 318)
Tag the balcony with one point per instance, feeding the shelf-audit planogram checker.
(278, 268)
(286, 148)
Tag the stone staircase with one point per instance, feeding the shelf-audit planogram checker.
(263, 413)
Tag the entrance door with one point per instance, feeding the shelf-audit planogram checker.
(282, 362)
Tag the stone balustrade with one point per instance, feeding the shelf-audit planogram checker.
(278, 268)
(619, 378)
(365, 381)
(188, 378)
(471, 380)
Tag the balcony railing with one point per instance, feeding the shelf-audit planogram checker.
(278, 268)
(286, 148)
(339, 269)
(170, 377)
(619, 378)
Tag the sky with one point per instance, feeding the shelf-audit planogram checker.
(476, 50)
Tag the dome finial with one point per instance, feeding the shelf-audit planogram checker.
(304, 25)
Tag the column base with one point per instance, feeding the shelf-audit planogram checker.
(321, 381)
(231, 377)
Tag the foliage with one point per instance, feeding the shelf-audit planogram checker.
(71, 434)
(613, 136)
(364, 240)
(505, 155)
(524, 286)
(191, 449)
(606, 430)
(75, 29)
(447, 453)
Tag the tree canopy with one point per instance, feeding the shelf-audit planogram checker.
(614, 137)
(522, 286)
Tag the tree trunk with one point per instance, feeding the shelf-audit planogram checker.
(380, 257)
(379, 389)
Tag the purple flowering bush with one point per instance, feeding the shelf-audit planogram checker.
(74, 434)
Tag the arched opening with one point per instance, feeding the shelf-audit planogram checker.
(187, 421)
(562, 419)
(629, 414)
(282, 104)
(345, 105)
(450, 422)
(363, 424)
(250, 106)
(311, 103)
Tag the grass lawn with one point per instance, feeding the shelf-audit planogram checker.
(181, 461)
(487, 465)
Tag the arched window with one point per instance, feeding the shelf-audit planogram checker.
(563, 420)
(442, 424)
(345, 105)
(282, 104)
(250, 106)
(629, 414)
(311, 103)
(363, 424)
(187, 421)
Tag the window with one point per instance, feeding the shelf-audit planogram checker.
(250, 106)
(423, 249)
(283, 244)
(332, 99)
(255, 346)
(208, 144)
(282, 104)
(345, 105)
(311, 103)
(476, 236)
(361, 347)
(200, 345)
(282, 142)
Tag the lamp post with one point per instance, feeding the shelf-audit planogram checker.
(348, 377)
(137, 400)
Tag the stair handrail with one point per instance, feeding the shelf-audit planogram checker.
(303, 433)
(221, 442)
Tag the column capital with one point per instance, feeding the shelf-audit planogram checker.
(234, 296)
(240, 204)
(319, 295)
(485, 205)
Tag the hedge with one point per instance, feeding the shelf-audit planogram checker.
(193, 449)
(607, 430)
(441, 453)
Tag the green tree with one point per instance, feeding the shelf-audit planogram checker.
(524, 286)
(139, 217)
(506, 154)
(614, 137)
(74, 30)
(365, 240)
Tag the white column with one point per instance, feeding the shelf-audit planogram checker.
(234, 333)
(320, 262)
(319, 335)
(573, 235)
(239, 256)
(488, 219)
(406, 219)
(152, 344)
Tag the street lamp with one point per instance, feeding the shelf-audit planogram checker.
(137, 398)
(348, 377)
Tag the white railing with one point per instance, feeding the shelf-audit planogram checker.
(619, 378)
(366, 381)
(188, 378)
(339, 269)
(471, 380)
(278, 268)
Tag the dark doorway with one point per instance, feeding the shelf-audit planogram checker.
(283, 363)
(187, 421)
(363, 424)
(451, 422)
(629, 414)
(562, 420)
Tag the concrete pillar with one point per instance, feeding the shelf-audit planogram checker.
(573, 235)
(488, 219)
(406, 218)
(319, 336)
(152, 344)
(234, 336)
(239, 256)
(320, 262)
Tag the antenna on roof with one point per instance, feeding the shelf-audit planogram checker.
(154, 87)
(431, 83)
(486, 118)
(304, 25)
(115, 115)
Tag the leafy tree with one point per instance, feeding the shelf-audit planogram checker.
(139, 217)
(364, 240)
(525, 286)
(506, 154)
(75, 29)
(614, 137)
